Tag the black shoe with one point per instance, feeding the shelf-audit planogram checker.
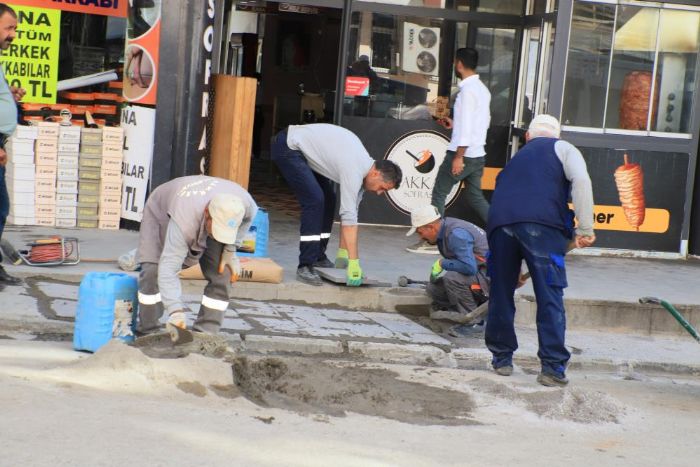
(7, 279)
(307, 275)
(324, 263)
(550, 380)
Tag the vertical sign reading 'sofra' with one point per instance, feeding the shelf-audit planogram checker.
(31, 61)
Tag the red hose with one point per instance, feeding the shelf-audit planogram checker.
(49, 253)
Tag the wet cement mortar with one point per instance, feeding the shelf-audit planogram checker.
(334, 388)
(311, 386)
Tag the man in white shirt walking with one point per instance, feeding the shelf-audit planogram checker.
(465, 155)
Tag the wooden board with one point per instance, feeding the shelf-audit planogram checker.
(232, 129)
(338, 276)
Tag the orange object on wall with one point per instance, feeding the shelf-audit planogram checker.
(629, 179)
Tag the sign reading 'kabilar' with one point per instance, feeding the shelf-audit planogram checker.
(31, 61)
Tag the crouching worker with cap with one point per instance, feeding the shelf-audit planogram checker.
(458, 282)
(185, 221)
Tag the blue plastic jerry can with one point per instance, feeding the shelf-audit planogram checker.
(255, 242)
(107, 308)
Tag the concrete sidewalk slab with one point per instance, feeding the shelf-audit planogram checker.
(603, 292)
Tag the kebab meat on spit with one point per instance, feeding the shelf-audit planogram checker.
(629, 179)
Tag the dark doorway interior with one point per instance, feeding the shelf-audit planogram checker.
(293, 51)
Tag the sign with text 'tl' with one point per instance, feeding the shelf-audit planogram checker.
(31, 61)
(139, 128)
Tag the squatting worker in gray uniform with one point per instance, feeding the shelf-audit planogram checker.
(311, 158)
(185, 221)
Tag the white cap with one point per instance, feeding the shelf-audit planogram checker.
(422, 216)
(226, 211)
(544, 124)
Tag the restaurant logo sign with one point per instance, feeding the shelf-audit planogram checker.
(419, 154)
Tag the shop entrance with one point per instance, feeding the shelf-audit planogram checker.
(293, 50)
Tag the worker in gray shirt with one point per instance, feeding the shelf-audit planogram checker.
(185, 221)
(9, 96)
(311, 158)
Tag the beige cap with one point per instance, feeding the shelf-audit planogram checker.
(546, 124)
(226, 211)
(422, 216)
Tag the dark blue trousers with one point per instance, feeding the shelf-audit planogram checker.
(315, 194)
(4, 202)
(543, 249)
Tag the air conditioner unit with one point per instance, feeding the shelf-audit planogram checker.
(421, 49)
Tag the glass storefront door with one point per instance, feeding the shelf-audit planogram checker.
(399, 78)
(535, 71)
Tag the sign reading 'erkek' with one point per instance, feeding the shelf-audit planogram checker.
(31, 61)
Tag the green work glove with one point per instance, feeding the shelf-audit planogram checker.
(354, 273)
(341, 259)
(436, 271)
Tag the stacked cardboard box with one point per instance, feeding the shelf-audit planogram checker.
(46, 159)
(90, 163)
(67, 176)
(20, 175)
(111, 178)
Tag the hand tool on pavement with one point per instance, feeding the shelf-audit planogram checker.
(179, 335)
(404, 281)
(478, 313)
(675, 313)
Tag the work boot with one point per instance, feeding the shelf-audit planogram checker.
(307, 275)
(505, 370)
(423, 247)
(324, 263)
(549, 380)
(7, 279)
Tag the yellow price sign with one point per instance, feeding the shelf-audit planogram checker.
(31, 61)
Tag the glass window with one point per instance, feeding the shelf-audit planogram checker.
(512, 7)
(395, 64)
(531, 58)
(423, 3)
(631, 67)
(632, 71)
(676, 65)
(588, 64)
(497, 50)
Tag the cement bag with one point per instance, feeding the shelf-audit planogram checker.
(252, 270)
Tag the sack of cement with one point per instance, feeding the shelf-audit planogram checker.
(252, 270)
(127, 261)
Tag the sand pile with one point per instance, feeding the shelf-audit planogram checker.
(120, 367)
(568, 404)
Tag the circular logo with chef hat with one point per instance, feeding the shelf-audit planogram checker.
(419, 154)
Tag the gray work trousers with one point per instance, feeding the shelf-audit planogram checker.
(452, 291)
(215, 298)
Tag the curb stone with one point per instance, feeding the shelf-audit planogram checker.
(299, 345)
(402, 353)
